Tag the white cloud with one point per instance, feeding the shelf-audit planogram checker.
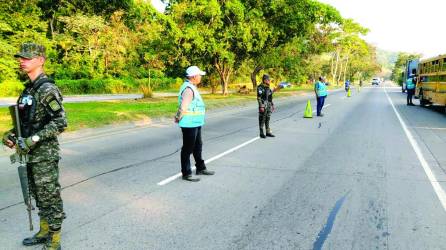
(399, 25)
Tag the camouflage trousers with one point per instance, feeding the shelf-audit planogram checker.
(264, 118)
(44, 185)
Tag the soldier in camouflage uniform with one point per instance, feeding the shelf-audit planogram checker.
(43, 119)
(266, 105)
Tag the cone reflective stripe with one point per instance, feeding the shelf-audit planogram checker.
(308, 112)
(349, 93)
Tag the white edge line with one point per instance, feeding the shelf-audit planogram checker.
(174, 177)
(430, 175)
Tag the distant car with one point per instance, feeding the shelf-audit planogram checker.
(285, 85)
(403, 87)
(375, 81)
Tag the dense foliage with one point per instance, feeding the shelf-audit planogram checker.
(400, 65)
(109, 46)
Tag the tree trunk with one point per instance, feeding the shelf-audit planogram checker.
(224, 71)
(336, 68)
(254, 76)
(340, 73)
(345, 68)
(52, 26)
(332, 65)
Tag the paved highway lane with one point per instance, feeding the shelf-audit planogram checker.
(349, 180)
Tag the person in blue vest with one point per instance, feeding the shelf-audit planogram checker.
(347, 85)
(190, 118)
(320, 89)
(410, 87)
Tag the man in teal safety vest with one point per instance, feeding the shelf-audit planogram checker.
(190, 118)
(410, 87)
(320, 89)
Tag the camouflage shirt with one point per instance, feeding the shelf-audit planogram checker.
(264, 96)
(44, 116)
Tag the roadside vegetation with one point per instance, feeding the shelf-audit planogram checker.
(126, 46)
(398, 69)
(97, 114)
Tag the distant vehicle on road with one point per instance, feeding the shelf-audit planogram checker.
(285, 85)
(376, 81)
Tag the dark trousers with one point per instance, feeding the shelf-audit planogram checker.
(320, 104)
(264, 118)
(410, 93)
(192, 144)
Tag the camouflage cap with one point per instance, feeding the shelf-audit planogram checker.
(30, 50)
(266, 77)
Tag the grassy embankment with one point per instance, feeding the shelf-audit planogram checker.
(96, 114)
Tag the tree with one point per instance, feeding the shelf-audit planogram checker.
(213, 33)
(400, 64)
(287, 20)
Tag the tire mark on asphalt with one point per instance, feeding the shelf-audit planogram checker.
(326, 230)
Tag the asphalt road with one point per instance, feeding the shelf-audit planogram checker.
(367, 175)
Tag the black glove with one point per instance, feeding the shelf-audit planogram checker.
(24, 144)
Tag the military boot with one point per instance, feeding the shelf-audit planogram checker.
(53, 242)
(268, 130)
(262, 135)
(269, 134)
(40, 237)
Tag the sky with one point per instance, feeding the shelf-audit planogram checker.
(400, 25)
(414, 26)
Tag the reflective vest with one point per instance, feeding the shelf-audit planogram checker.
(321, 89)
(194, 115)
(410, 84)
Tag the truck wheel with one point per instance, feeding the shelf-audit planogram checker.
(423, 102)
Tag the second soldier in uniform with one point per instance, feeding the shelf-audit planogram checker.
(42, 120)
(266, 105)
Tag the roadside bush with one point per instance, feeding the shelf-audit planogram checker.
(11, 88)
(146, 91)
(82, 86)
(116, 86)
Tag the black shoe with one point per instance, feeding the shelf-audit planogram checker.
(205, 172)
(35, 240)
(411, 104)
(262, 135)
(190, 178)
(270, 135)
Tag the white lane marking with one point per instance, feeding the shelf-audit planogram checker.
(326, 106)
(430, 175)
(429, 128)
(174, 177)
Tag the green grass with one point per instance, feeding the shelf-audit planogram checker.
(5, 120)
(97, 114)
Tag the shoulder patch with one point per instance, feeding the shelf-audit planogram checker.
(54, 105)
